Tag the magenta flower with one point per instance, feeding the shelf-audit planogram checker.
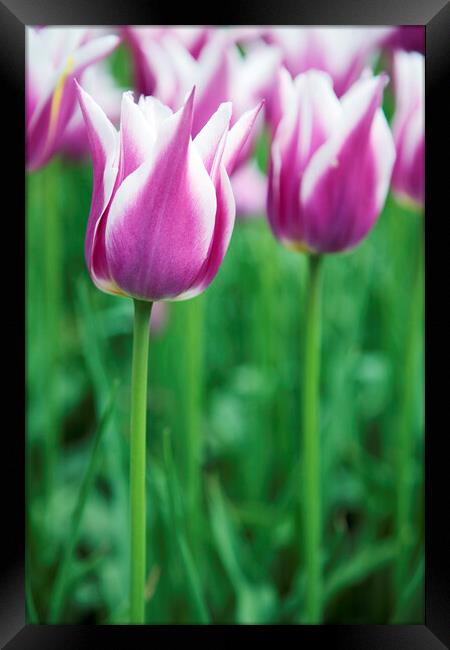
(141, 41)
(55, 56)
(219, 74)
(408, 179)
(162, 209)
(330, 165)
(250, 190)
(341, 52)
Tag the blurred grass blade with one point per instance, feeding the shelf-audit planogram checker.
(361, 566)
(32, 615)
(91, 341)
(178, 525)
(58, 592)
(412, 590)
(223, 535)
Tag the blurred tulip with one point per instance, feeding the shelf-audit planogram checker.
(331, 163)
(98, 81)
(55, 56)
(141, 40)
(162, 209)
(250, 190)
(219, 74)
(407, 37)
(159, 318)
(408, 179)
(340, 51)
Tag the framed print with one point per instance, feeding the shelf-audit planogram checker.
(228, 325)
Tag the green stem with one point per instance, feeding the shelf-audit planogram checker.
(142, 312)
(311, 445)
(405, 430)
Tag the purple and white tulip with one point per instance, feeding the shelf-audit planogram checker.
(141, 41)
(342, 52)
(219, 74)
(408, 179)
(250, 190)
(162, 209)
(330, 165)
(55, 57)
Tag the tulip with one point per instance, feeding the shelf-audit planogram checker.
(331, 163)
(341, 52)
(162, 210)
(55, 57)
(330, 166)
(408, 178)
(250, 190)
(220, 74)
(141, 39)
(161, 219)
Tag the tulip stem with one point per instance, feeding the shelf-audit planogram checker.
(142, 312)
(310, 488)
(405, 430)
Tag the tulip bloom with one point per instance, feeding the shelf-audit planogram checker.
(141, 41)
(162, 209)
(341, 52)
(219, 74)
(55, 56)
(408, 179)
(330, 165)
(250, 190)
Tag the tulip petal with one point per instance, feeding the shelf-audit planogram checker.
(208, 139)
(136, 136)
(103, 141)
(223, 229)
(161, 218)
(237, 137)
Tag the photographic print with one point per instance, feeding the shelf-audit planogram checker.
(224, 292)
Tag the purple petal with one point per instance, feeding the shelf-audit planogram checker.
(103, 141)
(238, 136)
(208, 139)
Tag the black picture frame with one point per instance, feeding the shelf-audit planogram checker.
(14, 15)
